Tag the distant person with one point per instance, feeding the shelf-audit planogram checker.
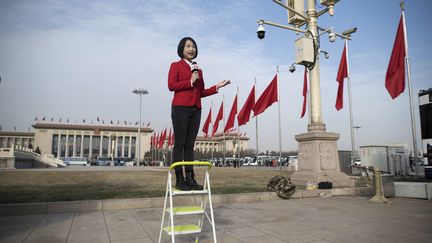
(37, 150)
(186, 80)
(411, 162)
(429, 153)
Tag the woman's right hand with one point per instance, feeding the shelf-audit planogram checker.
(194, 77)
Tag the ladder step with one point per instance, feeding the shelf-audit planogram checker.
(183, 229)
(186, 210)
(193, 192)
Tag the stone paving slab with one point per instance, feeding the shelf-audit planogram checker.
(317, 219)
(115, 204)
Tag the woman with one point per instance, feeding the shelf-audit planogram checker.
(185, 79)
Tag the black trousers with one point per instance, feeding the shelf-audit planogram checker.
(186, 122)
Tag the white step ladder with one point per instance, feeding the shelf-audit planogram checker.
(200, 211)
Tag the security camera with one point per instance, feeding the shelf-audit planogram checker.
(261, 31)
(350, 31)
(330, 5)
(332, 36)
(326, 54)
(292, 68)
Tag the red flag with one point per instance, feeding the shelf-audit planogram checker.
(395, 75)
(158, 137)
(218, 118)
(172, 139)
(206, 126)
(342, 73)
(244, 114)
(169, 137)
(305, 88)
(231, 117)
(154, 140)
(267, 98)
(162, 139)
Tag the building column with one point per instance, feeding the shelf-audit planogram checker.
(109, 145)
(116, 147)
(130, 147)
(100, 146)
(82, 145)
(91, 146)
(59, 145)
(123, 146)
(74, 146)
(67, 145)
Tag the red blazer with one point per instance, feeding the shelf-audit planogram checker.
(184, 93)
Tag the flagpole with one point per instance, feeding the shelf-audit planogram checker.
(172, 146)
(223, 132)
(407, 60)
(238, 132)
(309, 103)
(353, 152)
(211, 137)
(256, 127)
(279, 117)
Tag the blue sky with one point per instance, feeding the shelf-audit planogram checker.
(82, 59)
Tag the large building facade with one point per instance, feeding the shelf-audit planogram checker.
(104, 141)
(90, 141)
(231, 143)
(12, 139)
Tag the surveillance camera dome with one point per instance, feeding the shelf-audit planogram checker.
(261, 32)
(292, 68)
(326, 55)
(332, 37)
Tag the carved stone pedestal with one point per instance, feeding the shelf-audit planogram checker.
(318, 158)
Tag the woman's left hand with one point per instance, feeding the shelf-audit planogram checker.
(223, 83)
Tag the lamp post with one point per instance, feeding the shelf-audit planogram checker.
(318, 155)
(139, 92)
(356, 151)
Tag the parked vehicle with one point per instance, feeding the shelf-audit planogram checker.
(76, 161)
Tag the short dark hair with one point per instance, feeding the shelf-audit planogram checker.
(182, 44)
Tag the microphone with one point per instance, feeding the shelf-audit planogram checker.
(194, 67)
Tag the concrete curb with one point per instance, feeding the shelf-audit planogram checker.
(116, 204)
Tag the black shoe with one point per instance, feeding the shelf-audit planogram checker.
(190, 181)
(181, 183)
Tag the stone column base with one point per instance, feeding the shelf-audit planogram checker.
(339, 179)
(319, 159)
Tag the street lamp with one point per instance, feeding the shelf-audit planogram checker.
(139, 92)
(357, 152)
(311, 156)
